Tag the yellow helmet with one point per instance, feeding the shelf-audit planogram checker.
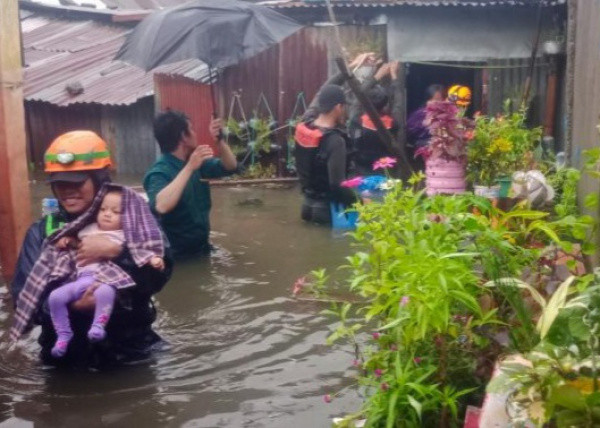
(77, 151)
(460, 95)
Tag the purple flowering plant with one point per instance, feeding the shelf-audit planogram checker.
(450, 132)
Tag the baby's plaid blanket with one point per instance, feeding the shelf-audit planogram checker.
(55, 267)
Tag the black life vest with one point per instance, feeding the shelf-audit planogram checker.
(311, 161)
(369, 146)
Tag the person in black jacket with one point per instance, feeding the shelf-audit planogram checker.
(369, 147)
(322, 156)
(78, 165)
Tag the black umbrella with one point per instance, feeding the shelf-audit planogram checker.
(220, 33)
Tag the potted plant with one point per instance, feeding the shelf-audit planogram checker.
(446, 154)
(501, 146)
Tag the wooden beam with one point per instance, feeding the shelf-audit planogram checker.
(396, 148)
(15, 205)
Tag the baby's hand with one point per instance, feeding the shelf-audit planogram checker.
(65, 242)
(157, 263)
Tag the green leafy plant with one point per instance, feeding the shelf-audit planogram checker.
(501, 146)
(415, 291)
(564, 181)
(255, 134)
(433, 287)
(258, 171)
(558, 380)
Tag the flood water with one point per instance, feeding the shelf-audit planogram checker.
(242, 352)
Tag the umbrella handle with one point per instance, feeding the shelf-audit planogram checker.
(214, 101)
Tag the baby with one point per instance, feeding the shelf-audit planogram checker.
(108, 224)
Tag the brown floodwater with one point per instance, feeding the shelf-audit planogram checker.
(242, 351)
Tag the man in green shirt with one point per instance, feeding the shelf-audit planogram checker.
(177, 185)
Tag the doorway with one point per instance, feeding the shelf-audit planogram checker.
(420, 76)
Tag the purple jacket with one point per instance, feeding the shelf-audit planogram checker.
(415, 130)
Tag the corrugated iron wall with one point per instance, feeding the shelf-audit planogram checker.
(300, 64)
(127, 130)
(181, 93)
(302, 68)
(510, 82)
(45, 122)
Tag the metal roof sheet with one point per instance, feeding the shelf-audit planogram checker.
(61, 52)
(282, 4)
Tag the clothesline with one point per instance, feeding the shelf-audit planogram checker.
(488, 67)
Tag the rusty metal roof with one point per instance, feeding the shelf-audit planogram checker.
(282, 4)
(60, 52)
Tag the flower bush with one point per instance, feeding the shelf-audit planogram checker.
(501, 145)
(438, 288)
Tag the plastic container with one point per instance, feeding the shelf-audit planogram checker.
(505, 183)
(49, 206)
(490, 192)
(445, 177)
(341, 218)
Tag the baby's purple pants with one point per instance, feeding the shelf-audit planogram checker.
(61, 297)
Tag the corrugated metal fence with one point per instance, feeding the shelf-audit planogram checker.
(507, 83)
(300, 64)
(126, 129)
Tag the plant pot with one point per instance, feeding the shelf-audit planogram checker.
(444, 176)
(504, 183)
(490, 192)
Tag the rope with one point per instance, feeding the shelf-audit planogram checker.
(300, 102)
(477, 67)
(265, 102)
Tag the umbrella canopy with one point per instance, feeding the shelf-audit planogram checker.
(219, 33)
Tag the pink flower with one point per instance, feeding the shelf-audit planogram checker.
(469, 134)
(352, 182)
(356, 363)
(378, 372)
(384, 386)
(404, 301)
(376, 336)
(384, 163)
(417, 360)
(298, 285)
(327, 398)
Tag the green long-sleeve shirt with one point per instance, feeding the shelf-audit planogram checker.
(188, 225)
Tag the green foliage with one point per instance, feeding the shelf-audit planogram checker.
(256, 134)
(258, 170)
(558, 379)
(564, 181)
(501, 146)
(419, 293)
(435, 283)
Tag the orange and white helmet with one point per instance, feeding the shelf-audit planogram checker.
(70, 155)
(460, 95)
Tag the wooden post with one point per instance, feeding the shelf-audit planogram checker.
(550, 114)
(15, 204)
